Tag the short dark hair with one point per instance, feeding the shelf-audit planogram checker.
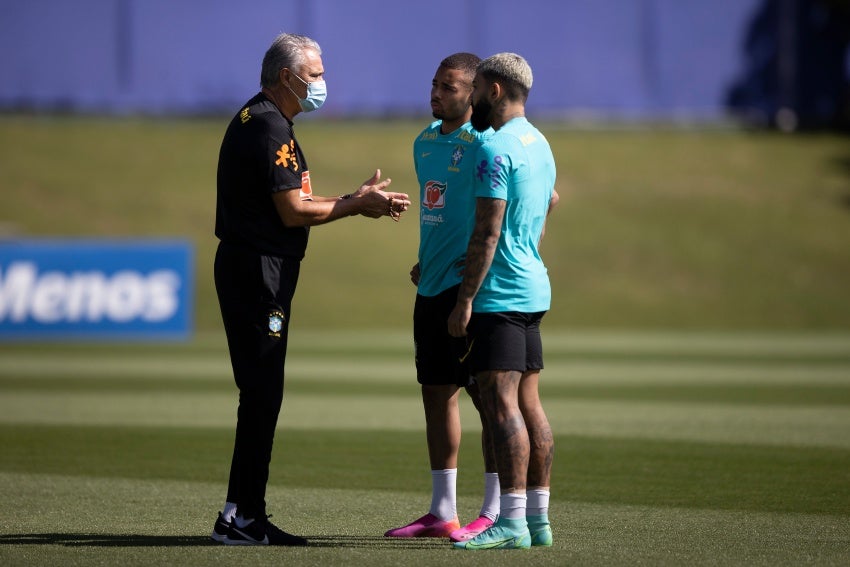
(466, 62)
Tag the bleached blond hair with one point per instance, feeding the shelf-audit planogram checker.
(510, 70)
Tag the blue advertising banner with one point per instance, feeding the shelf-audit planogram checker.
(86, 289)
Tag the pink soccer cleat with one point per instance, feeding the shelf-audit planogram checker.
(428, 525)
(471, 529)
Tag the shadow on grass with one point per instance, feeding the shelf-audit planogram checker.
(104, 540)
(378, 542)
(135, 540)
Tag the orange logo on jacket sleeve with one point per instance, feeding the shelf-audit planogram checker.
(286, 156)
(306, 188)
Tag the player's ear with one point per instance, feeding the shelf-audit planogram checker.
(495, 91)
(284, 76)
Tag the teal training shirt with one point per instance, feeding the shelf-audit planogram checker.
(516, 164)
(444, 165)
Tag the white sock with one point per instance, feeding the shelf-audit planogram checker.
(241, 522)
(444, 494)
(229, 511)
(512, 505)
(490, 507)
(538, 502)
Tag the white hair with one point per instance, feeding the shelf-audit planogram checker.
(508, 67)
(287, 50)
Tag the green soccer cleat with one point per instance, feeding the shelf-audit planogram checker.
(541, 531)
(504, 534)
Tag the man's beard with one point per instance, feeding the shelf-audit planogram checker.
(481, 115)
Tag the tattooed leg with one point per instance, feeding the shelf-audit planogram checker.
(541, 442)
(499, 393)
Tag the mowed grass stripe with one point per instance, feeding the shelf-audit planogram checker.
(766, 348)
(598, 470)
(397, 367)
(649, 343)
(712, 423)
(197, 367)
(391, 369)
(722, 344)
(798, 394)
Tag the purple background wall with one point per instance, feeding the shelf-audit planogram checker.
(609, 58)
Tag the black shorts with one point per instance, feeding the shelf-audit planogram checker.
(504, 341)
(437, 352)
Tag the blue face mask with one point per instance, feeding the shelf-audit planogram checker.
(317, 92)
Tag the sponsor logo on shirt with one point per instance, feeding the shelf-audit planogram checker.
(432, 220)
(435, 195)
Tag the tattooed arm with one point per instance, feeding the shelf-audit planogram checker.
(489, 214)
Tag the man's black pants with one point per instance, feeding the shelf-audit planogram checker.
(255, 294)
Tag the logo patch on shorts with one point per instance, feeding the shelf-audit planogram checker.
(276, 319)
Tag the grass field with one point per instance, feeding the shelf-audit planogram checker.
(673, 449)
(662, 229)
(698, 357)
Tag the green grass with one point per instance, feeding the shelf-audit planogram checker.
(686, 448)
(697, 357)
(681, 474)
(662, 229)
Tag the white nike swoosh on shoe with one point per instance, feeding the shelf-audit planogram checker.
(248, 539)
(489, 544)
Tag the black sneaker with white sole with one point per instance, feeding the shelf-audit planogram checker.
(261, 531)
(220, 529)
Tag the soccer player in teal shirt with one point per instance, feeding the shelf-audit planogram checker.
(503, 296)
(444, 159)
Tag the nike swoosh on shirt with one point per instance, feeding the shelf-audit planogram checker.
(425, 154)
